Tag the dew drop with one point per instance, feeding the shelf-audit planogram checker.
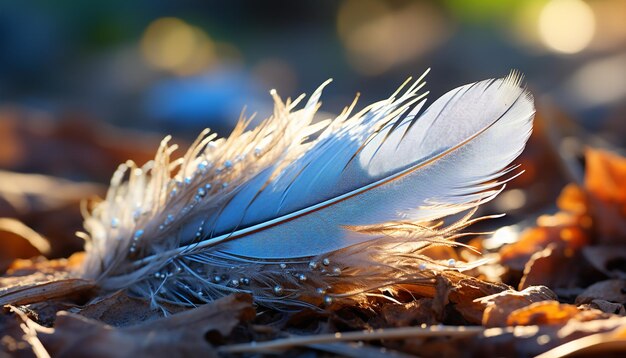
(136, 214)
(201, 192)
(302, 277)
(202, 166)
(325, 262)
(278, 289)
(283, 266)
(451, 263)
(328, 300)
(313, 265)
(115, 222)
(228, 164)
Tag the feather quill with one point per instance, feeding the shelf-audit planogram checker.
(301, 212)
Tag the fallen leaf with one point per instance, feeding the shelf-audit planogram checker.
(609, 290)
(19, 241)
(119, 309)
(610, 260)
(500, 305)
(529, 341)
(180, 335)
(410, 314)
(604, 179)
(607, 307)
(540, 313)
(553, 267)
(566, 233)
(465, 292)
(605, 175)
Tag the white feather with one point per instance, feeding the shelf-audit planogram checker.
(274, 196)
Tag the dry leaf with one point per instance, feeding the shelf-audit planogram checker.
(19, 241)
(606, 306)
(552, 267)
(466, 290)
(605, 175)
(528, 341)
(609, 290)
(410, 314)
(566, 233)
(178, 335)
(119, 309)
(610, 260)
(605, 180)
(500, 305)
(540, 313)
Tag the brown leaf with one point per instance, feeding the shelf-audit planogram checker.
(545, 312)
(179, 335)
(19, 241)
(609, 290)
(466, 290)
(119, 309)
(567, 234)
(73, 143)
(605, 178)
(610, 260)
(499, 306)
(410, 314)
(605, 175)
(607, 307)
(553, 267)
(528, 341)
(573, 199)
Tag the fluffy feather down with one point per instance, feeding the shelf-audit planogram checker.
(299, 212)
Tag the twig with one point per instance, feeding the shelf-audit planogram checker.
(600, 343)
(390, 333)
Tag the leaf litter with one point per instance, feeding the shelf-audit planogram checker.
(558, 289)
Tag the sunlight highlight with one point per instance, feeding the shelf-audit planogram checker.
(173, 45)
(566, 26)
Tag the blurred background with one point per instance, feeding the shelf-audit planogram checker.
(86, 85)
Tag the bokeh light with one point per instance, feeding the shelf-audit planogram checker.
(567, 26)
(173, 45)
(378, 36)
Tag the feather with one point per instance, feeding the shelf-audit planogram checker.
(302, 212)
